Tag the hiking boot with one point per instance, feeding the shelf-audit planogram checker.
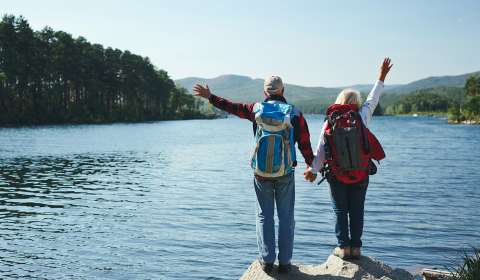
(267, 267)
(355, 253)
(343, 253)
(284, 268)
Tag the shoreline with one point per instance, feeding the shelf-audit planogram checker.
(203, 117)
(465, 122)
(401, 115)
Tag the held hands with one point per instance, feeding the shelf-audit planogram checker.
(386, 66)
(309, 176)
(202, 91)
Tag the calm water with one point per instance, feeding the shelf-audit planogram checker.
(175, 200)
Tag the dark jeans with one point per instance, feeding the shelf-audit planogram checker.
(348, 201)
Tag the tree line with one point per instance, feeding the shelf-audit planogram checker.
(313, 108)
(321, 108)
(419, 103)
(454, 93)
(48, 76)
(471, 109)
(459, 103)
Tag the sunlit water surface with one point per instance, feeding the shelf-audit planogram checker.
(175, 200)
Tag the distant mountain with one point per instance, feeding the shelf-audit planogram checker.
(368, 87)
(451, 81)
(247, 90)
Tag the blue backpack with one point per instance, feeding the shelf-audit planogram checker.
(273, 151)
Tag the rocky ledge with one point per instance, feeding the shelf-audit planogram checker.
(466, 122)
(334, 269)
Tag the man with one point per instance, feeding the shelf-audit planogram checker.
(269, 190)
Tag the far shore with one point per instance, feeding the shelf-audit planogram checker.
(397, 115)
(197, 117)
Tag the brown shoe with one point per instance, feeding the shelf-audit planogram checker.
(355, 253)
(343, 253)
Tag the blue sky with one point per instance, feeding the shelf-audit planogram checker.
(308, 43)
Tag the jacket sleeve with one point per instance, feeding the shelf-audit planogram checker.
(371, 103)
(319, 159)
(302, 137)
(240, 110)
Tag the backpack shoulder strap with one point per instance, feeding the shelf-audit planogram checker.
(366, 143)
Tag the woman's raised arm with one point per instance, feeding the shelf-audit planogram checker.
(372, 100)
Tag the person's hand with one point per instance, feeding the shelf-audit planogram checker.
(386, 66)
(202, 91)
(309, 176)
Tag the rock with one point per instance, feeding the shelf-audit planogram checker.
(465, 122)
(334, 269)
(400, 274)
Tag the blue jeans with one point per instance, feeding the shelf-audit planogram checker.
(283, 193)
(348, 201)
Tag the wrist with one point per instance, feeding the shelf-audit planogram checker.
(382, 77)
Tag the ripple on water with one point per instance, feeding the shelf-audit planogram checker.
(174, 200)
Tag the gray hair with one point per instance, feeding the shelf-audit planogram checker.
(349, 96)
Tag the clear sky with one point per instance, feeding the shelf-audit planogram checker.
(308, 43)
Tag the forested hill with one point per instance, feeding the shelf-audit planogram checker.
(423, 102)
(247, 90)
(48, 76)
(451, 81)
(454, 93)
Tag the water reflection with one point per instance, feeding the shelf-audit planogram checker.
(174, 200)
(54, 210)
(56, 183)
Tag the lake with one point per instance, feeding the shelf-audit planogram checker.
(175, 199)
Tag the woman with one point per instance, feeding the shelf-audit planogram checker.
(348, 199)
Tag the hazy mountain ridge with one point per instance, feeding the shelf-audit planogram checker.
(247, 90)
(450, 81)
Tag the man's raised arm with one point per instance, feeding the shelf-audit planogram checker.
(240, 110)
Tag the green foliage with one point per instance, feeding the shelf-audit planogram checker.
(466, 100)
(472, 86)
(465, 267)
(450, 81)
(210, 108)
(454, 93)
(419, 103)
(454, 112)
(472, 108)
(313, 108)
(50, 77)
(472, 91)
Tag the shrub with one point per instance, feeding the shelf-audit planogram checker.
(466, 267)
